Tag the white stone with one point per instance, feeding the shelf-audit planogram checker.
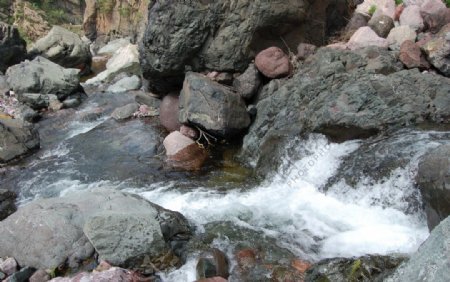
(365, 37)
(399, 34)
(411, 17)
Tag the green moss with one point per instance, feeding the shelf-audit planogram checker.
(447, 3)
(398, 2)
(355, 270)
(372, 10)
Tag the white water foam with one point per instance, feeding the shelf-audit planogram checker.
(292, 209)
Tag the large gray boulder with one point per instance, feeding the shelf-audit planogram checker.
(64, 48)
(13, 48)
(123, 229)
(225, 36)
(433, 179)
(431, 262)
(212, 106)
(43, 76)
(345, 95)
(16, 139)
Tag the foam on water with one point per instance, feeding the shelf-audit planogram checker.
(292, 208)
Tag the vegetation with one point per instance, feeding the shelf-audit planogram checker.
(54, 15)
(447, 3)
(372, 9)
(106, 6)
(398, 2)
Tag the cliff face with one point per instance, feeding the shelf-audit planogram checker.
(108, 19)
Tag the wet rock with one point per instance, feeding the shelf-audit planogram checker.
(273, 63)
(113, 274)
(246, 258)
(64, 48)
(304, 50)
(247, 84)
(338, 95)
(365, 37)
(43, 76)
(115, 215)
(367, 268)
(241, 31)
(71, 103)
(400, 34)
(189, 132)
(23, 275)
(125, 112)
(9, 266)
(411, 17)
(12, 47)
(212, 106)
(2, 275)
(435, 15)
(169, 112)
(16, 139)
(7, 206)
(437, 51)
(411, 56)
(125, 60)
(125, 84)
(430, 262)
(381, 25)
(40, 276)
(433, 178)
(212, 263)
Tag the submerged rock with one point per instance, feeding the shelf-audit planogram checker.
(212, 106)
(113, 274)
(64, 48)
(123, 228)
(16, 139)
(7, 205)
(433, 179)
(13, 48)
(367, 268)
(43, 76)
(125, 112)
(212, 263)
(431, 261)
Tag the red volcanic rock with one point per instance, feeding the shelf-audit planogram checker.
(411, 56)
(183, 153)
(273, 63)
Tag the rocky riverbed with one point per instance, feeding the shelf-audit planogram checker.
(226, 141)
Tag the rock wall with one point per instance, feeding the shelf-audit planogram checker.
(109, 19)
(226, 35)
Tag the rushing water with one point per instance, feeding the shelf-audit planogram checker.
(299, 206)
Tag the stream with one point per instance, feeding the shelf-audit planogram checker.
(306, 205)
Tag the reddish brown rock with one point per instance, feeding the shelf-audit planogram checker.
(273, 63)
(435, 15)
(411, 56)
(398, 11)
(98, 64)
(169, 111)
(189, 132)
(300, 265)
(183, 153)
(246, 258)
(304, 50)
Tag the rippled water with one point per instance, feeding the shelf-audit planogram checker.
(298, 206)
